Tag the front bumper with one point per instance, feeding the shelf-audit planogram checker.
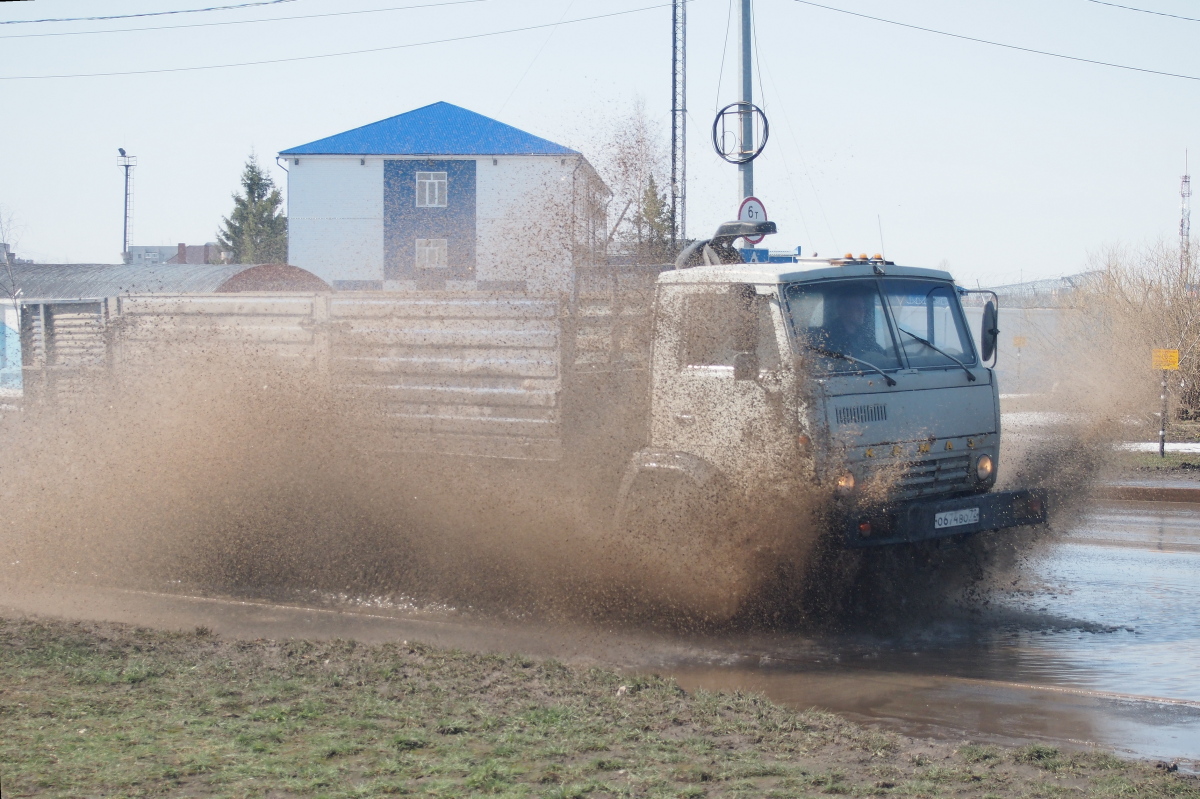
(924, 520)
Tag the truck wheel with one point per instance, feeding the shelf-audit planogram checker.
(681, 549)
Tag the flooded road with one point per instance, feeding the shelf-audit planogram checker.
(1096, 642)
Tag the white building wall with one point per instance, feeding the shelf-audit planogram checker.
(523, 218)
(523, 222)
(335, 216)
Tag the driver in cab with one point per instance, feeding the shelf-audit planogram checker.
(849, 329)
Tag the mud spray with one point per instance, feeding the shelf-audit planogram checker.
(242, 476)
(1095, 341)
(234, 474)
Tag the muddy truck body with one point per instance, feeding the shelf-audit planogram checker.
(755, 382)
(673, 388)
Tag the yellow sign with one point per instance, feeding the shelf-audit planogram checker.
(1167, 360)
(1020, 341)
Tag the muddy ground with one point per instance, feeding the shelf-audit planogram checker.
(109, 710)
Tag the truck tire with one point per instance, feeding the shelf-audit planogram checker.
(680, 546)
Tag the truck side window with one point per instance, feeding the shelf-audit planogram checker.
(719, 325)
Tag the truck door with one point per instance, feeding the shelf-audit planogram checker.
(718, 378)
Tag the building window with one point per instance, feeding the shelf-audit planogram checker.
(431, 253)
(431, 189)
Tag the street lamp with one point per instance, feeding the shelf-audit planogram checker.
(128, 162)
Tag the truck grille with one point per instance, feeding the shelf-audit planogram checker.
(935, 476)
(858, 414)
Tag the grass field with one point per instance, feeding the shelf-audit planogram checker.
(1184, 463)
(104, 710)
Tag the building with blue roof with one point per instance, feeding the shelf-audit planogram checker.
(443, 198)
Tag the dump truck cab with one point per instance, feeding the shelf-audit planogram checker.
(857, 375)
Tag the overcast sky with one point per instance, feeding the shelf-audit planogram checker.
(1004, 164)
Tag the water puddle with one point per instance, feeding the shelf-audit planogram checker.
(1099, 644)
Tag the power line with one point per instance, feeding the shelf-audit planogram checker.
(787, 169)
(724, 47)
(1145, 11)
(536, 55)
(333, 55)
(1000, 44)
(238, 21)
(146, 13)
(757, 63)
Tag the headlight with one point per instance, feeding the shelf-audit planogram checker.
(984, 467)
(845, 483)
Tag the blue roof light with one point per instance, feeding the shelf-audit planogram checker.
(437, 129)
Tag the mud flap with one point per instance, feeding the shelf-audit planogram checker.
(923, 520)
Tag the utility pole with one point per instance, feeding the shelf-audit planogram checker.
(128, 162)
(678, 122)
(746, 170)
(1185, 227)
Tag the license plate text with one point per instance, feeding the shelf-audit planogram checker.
(955, 518)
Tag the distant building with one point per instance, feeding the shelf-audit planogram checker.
(181, 253)
(443, 198)
(8, 256)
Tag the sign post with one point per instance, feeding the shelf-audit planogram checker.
(1019, 342)
(1166, 361)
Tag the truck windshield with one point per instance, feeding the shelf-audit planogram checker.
(927, 309)
(843, 318)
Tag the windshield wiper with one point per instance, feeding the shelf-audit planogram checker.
(970, 374)
(844, 357)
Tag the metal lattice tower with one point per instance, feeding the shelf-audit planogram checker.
(1185, 226)
(678, 121)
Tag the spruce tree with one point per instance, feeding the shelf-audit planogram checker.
(256, 231)
(654, 218)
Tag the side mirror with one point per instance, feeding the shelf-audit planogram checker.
(989, 333)
(745, 366)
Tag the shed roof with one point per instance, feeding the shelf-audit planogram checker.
(1050, 285)
(83, 281)
(437, 129)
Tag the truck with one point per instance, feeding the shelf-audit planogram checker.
(756, 377)
(840, 399)
(846, 394)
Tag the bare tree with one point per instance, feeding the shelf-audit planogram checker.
(8, 235)
(632, 161)
(1133, 301)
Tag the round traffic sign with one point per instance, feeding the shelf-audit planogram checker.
(752, 210)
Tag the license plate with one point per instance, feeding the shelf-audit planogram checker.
(955, 518)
